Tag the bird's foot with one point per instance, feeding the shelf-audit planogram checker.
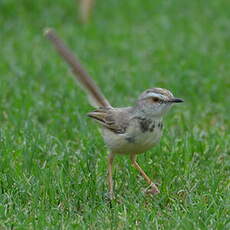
(110, 196)
(153, 190)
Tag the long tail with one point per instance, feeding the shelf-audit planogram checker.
(82, 76)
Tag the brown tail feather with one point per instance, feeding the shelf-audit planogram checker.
(81, 75)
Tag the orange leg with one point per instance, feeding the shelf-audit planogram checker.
(154, 190)
(110, 179)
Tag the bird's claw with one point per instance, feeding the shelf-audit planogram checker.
(153, 190)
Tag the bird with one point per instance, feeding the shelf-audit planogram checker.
(126, 130)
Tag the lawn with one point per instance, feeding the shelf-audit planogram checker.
(52, 158)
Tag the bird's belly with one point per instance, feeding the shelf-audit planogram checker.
(131, 143)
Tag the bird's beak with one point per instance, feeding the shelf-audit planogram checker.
(176, 100)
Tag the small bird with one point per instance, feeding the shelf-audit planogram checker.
(126, 130)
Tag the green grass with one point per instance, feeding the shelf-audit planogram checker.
(52, 158)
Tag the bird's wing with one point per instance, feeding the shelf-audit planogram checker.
(116, 120)
(96, 98)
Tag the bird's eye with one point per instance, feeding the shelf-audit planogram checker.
(155, 99)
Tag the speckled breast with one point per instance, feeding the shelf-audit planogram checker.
(141, 135)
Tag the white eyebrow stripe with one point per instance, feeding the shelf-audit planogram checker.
(155, 95)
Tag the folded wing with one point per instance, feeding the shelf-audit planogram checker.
(113, 119)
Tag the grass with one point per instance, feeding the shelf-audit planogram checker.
(52, 158)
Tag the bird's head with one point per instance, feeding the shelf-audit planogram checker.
(156, 101)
